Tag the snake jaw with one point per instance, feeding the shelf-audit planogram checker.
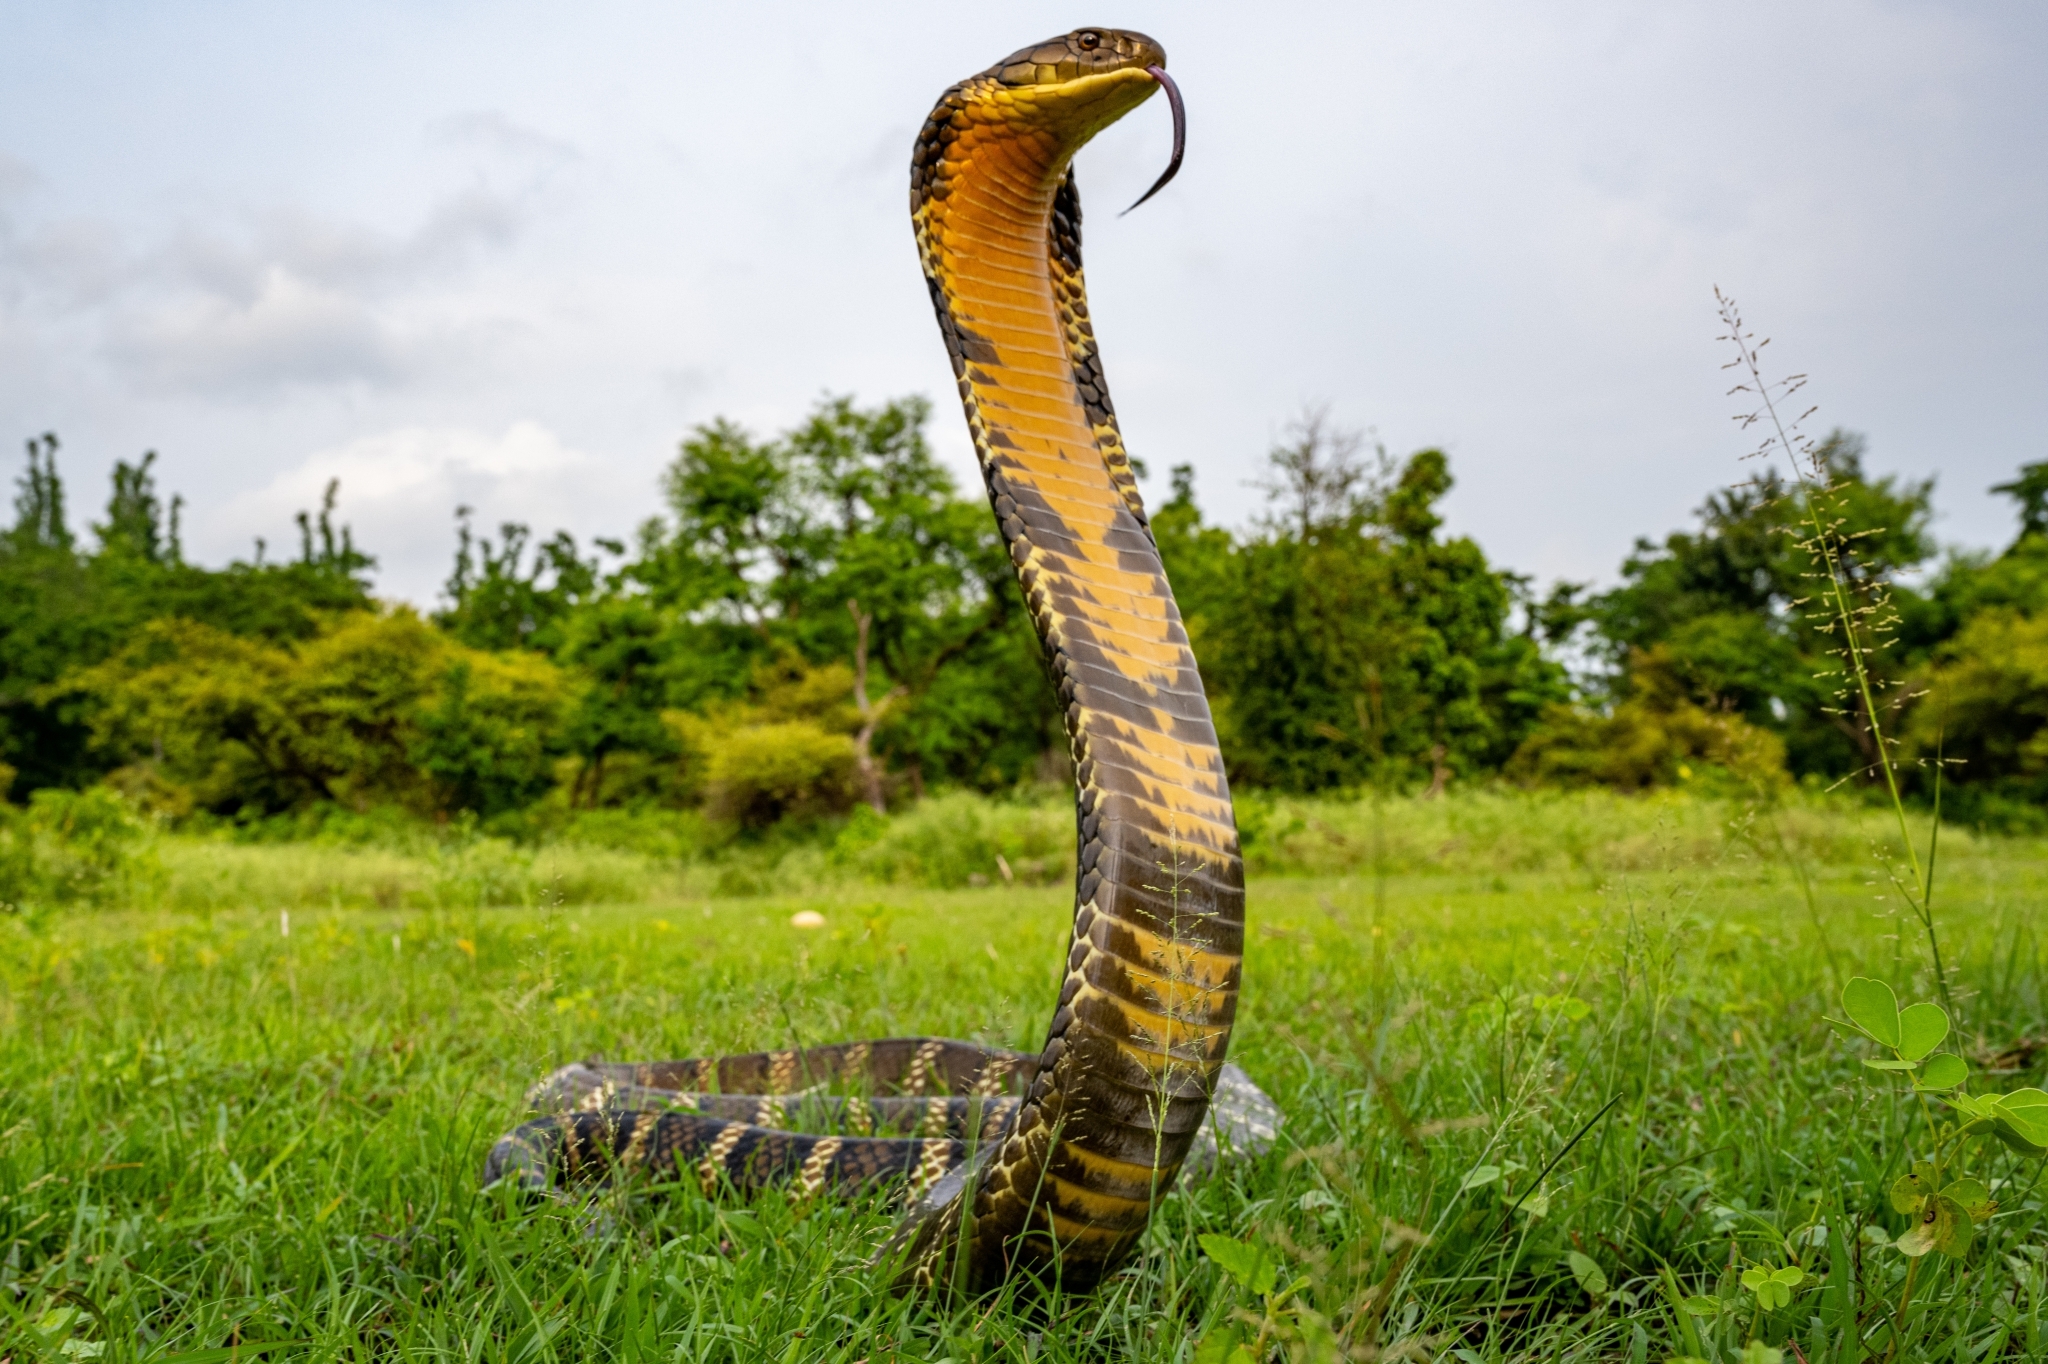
(1180, 133)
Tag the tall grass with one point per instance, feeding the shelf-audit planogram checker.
(960, 841)
(1855, 611)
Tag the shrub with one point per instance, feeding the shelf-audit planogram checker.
(70, 847)
(380, 709)
(485, 738)
(759, 774)
(785, 752)
(1655, 737)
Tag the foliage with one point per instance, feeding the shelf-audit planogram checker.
(488, 738)
(767, 543)
(1255, 1270)
(1731, 610)
(1345, 643)
(784, 751)
(498, 601)
(62, 608)
(1655, 736)
(1943, 1202)
(622, 645)
(959, 839)
(1986, 708)
(762, 773)
(72, 847)
(1734, 612)
(377, 709)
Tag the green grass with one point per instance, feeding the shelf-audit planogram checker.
(215, 1135)
(952, 842)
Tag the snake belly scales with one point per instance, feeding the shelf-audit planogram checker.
(1012, 1165)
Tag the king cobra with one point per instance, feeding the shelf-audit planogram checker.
(1046, 1166)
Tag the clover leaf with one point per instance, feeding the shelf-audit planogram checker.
(1873, 1007)
(1972, 1197)
(1910, 1191)
(1922, 1027)
(1941, 1225)
(1773, 1287)
(1945, 1071)
(2022, 1118)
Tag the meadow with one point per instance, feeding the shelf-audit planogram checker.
(1555, 1071)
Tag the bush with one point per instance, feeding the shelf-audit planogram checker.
(71, 847)
(761, 774)
(379, 709)
(784, 752)
(1655, 737)
(485, 739)
(1985, 706)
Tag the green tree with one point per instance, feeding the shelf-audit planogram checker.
(497, 599)
(1346, 641)
(625, 650)
(781, 546)
(135, 526)
(2030, 490)
(1981, 698)
(488, 738)
(62, 607)
(1199, 558)
(1727, 609)
(39, 501)
(2014, 580)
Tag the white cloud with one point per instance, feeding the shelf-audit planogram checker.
(400, 489)
(491, 131)
(300, 301)
(342, 254)
(266, 304)
(291, 331)
(17, 178)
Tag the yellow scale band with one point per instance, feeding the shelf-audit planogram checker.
(1151, 992)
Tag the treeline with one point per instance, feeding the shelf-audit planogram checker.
(823, 620)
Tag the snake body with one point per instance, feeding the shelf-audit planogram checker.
(1046, 1166)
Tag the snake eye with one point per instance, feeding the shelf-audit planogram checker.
(1088, 41)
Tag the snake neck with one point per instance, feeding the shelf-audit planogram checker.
(1145, 1010)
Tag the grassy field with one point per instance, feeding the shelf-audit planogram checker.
(216, 1134)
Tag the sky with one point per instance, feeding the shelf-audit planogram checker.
(506, 255)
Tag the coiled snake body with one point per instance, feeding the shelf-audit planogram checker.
(1047, 1165)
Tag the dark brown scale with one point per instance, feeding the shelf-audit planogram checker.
(886, 1066)
(613, 1144)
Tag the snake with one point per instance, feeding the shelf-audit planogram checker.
(1013, 1167)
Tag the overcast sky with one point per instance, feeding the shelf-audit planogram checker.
(509, 254)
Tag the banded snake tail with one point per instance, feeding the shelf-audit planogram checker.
(1045, 1166)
